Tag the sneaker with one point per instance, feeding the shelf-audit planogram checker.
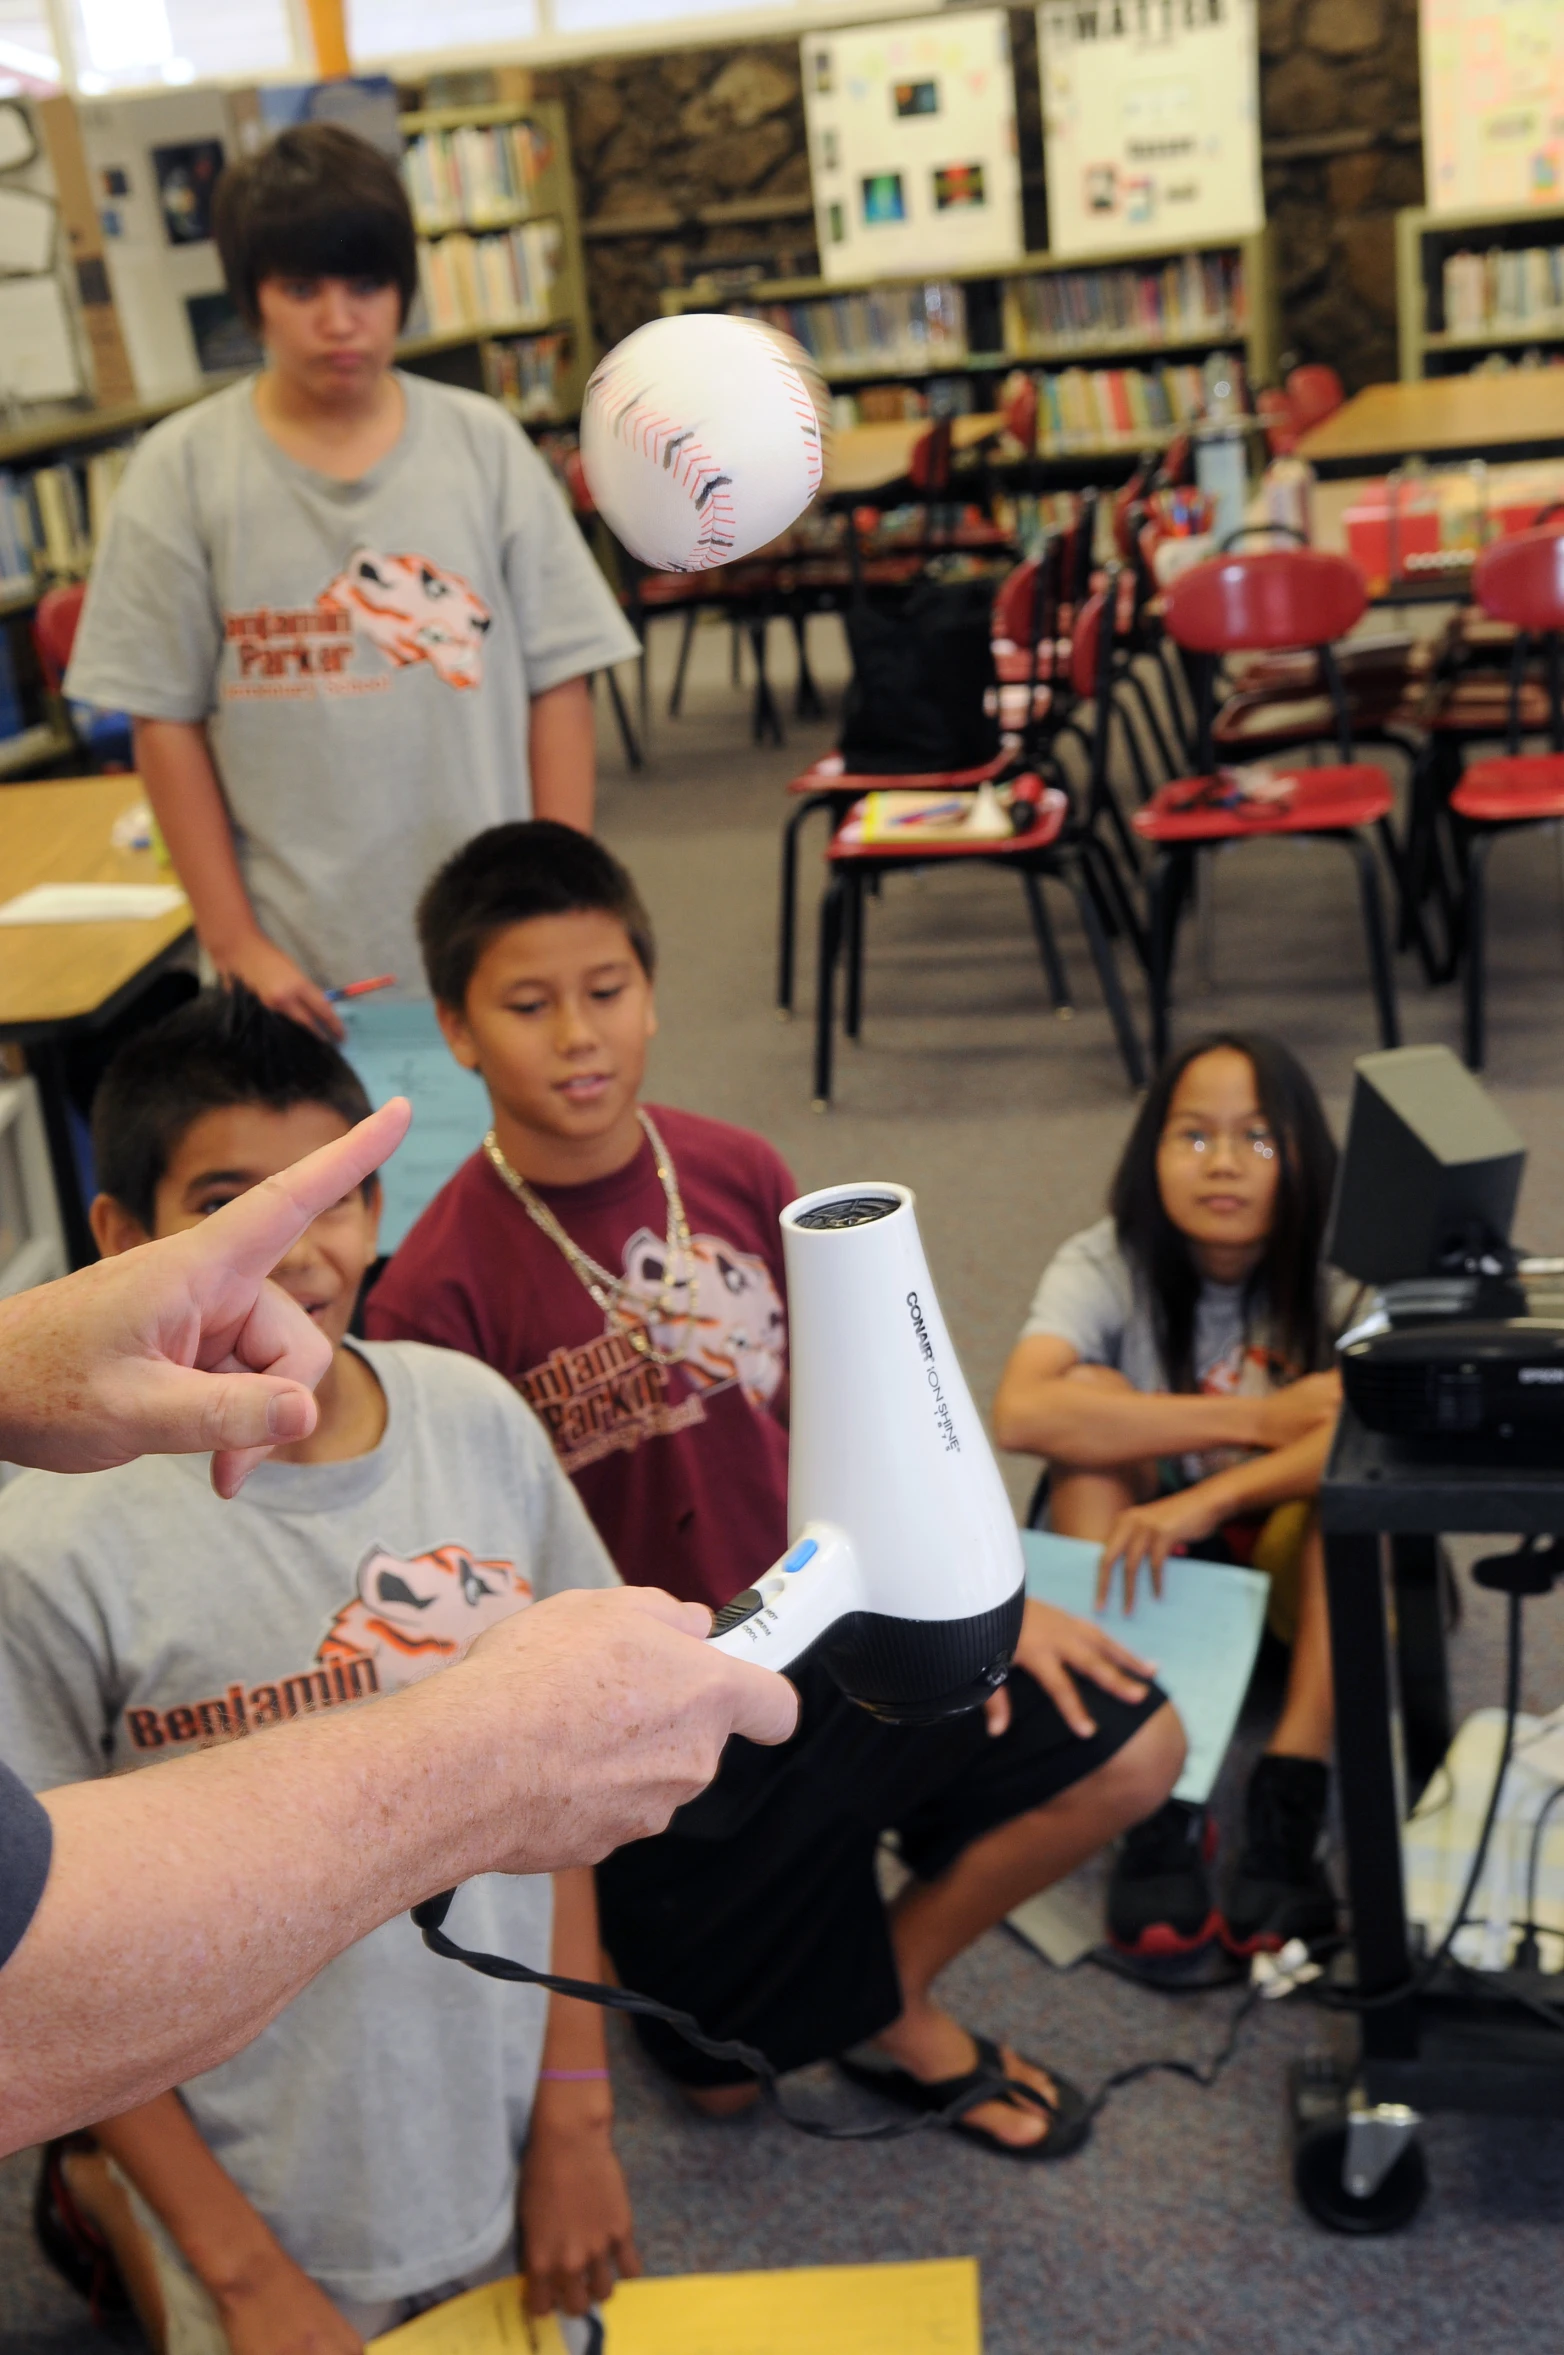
(1281, 1889)
(1159, 1899)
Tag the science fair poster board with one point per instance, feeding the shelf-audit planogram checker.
(1493, 104)
(1151, 123)
(912, 145)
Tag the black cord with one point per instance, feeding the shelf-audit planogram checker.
(1533, 1862)
(429, 1917)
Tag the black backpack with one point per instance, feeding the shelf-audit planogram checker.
(921, 669)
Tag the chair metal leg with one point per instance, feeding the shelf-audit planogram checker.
(1165, 889)
(807, 702)
(1047, 945)
(1078, 876)
(686, 640)
(1115, 894)
(735, 652)
(1477, 846)
(634, 755)
(852, 933)
(787, 921)
(830, 943)
(767, 720)
(1384, 980)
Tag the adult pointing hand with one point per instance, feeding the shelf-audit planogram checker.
(182, 1346)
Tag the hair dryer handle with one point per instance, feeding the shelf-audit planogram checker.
(814, 1585)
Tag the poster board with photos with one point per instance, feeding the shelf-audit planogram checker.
(1151, 123)
(1493, 104)
(154, 159)
(912, 145)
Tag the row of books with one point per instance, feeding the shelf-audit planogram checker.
(531, 379)
(505, 280)
(1504, 288)
(52, 518)
(477, 177)
(1089, 408)
(1194, 296)
(886, 327)
(881, 404)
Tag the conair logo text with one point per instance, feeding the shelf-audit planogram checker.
(942, 1414)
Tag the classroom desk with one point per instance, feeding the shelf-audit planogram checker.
(1520, 415)
(866, 458)
(58, 981)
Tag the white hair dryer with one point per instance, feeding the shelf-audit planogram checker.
(906, 1566)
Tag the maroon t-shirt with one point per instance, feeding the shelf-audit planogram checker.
(682, 1467)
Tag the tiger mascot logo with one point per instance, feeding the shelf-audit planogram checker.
(413, 1613)
(724, 1323)
(414, 611)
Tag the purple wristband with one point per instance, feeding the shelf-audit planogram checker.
(572, 2076)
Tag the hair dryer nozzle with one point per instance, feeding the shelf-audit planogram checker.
(907, 1569)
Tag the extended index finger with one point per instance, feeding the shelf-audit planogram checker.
(249, 1235)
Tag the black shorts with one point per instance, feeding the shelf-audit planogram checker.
(759, 1910)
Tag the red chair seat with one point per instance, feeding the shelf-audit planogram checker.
(830, 774)
(677, 588)
(1053, 809)
(1511, 791)
(1324, 800)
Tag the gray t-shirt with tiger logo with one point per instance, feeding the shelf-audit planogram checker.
(363, 653)
(377, 2122)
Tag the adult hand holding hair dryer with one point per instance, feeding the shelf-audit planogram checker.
(905, 1567)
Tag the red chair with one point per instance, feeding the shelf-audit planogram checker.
(1273, 407)
(55, 623)
(1519, 581)
(828, 784)
(1045, 846)
(1250, 603)
(1314, 392)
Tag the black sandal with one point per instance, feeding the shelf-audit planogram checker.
(1068, 2113)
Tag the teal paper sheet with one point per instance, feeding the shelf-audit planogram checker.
(1202, 1635)
(394, 1045)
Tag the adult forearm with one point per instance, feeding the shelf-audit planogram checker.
(562, 755)
(188, 1903)
(1076, 1422)
(175, 765)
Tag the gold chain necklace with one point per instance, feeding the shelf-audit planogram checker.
(613, 1294)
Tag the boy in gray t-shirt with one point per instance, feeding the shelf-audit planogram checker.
(349, 609)
(360, 2158)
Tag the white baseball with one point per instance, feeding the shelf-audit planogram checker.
(702, 437)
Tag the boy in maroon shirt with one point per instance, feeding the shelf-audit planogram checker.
(622, 1265)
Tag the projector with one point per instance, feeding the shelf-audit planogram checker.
(1463, 1357)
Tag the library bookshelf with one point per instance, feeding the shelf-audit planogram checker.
(1478, 285)
(500, 256)
(1103, 317)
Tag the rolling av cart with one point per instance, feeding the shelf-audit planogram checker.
(1454, 2043)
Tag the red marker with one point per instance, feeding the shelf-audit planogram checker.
(361, 989)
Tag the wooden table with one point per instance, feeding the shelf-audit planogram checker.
(1442, 418)
(61, 980)
(867, 458)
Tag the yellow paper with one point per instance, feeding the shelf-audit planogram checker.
(924, 2309)
(482, 2322)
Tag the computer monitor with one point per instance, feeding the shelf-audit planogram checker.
(1430, 1172)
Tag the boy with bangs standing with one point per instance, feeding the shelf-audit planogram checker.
(347, 607)
(621, 1264)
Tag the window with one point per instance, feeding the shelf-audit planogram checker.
(411, 28)
(591, 16)
(26, 45)
(128, 43)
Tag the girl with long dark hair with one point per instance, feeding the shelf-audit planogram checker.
(1175, 1372)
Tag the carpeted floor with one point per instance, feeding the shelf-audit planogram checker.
(1177, 2228)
